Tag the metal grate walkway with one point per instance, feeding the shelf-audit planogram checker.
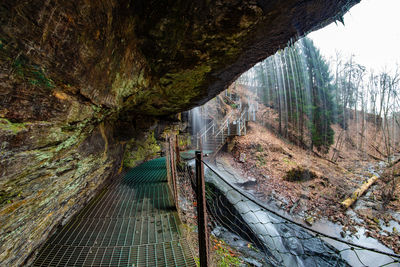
(133, 222)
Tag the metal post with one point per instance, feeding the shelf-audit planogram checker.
(239, 127)
(197, 143)
(174, 188)
(200, 144)
(201, 211)
(229, 130)
(178, 156)
(168, 165)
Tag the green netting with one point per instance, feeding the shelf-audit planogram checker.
(133, 222)
(152, 171)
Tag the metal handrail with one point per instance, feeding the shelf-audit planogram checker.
(205, 127)
(225, 122)
(224, 130)
(211, 125)
(242, 122)
(243, 113)
(223, 126)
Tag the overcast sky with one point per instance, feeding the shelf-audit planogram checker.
(371, 33)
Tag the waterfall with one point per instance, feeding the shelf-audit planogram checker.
(197, 119)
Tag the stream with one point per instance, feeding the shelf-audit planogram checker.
(280, 243)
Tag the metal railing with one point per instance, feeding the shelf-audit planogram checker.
(209, 131)
(215, 132)
(204, 135)
(225, 129)
(241, 123)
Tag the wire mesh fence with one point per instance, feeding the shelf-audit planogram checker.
(282, 241)
(263, 236)
(181, 179)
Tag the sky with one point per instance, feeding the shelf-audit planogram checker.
(371, 33)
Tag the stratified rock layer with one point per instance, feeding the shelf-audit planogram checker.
(81, 79)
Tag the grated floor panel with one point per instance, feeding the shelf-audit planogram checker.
(133, 222)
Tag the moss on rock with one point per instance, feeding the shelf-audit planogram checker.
(14, 128)
(137, 151)
(299, 174)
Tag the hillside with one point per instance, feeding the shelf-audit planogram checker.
(272, 160)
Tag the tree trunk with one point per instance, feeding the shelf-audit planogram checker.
(359, 192)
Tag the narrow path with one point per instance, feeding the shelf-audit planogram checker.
(133, 222)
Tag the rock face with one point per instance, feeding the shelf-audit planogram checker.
(48, 172)
(79, 80)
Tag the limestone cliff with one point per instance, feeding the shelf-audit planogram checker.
(81, 79)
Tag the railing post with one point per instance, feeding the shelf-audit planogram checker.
(229, 128)
(168, 164)
(173, 173)
(200, 144)
(197, 141)
(178, 156)
(239, 127)
(201, 211)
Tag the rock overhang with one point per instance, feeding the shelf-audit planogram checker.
(148, 57)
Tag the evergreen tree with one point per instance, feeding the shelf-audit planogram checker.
(296, 82)
(322, 105)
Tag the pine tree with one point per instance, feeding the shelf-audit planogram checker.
(320, 111)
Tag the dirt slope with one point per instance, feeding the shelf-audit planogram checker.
(267, 157)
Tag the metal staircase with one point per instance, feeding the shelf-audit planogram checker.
(215, 134)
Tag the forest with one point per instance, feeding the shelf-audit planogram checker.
(311, 93)
(323, 143)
